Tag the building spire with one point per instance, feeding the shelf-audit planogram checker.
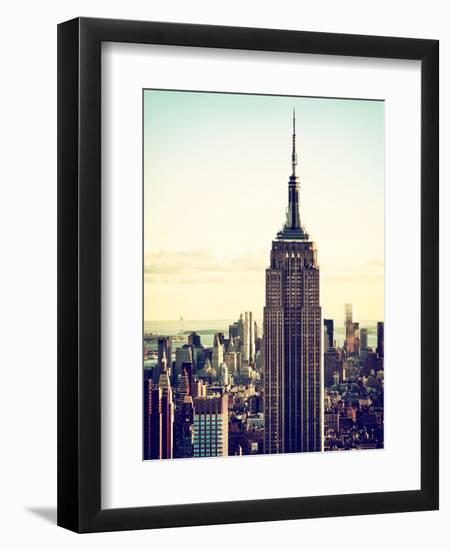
(292, 228)
(294, 152)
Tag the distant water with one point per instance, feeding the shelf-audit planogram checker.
(207, 328)
(176, 327)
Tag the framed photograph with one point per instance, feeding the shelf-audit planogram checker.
(247, 275)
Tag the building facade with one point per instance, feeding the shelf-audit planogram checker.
(292, 336)
(210, 426)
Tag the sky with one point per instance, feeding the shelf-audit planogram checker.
(216, 172)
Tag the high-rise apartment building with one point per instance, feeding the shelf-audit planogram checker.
(211, 426)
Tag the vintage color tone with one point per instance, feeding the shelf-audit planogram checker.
(238, 358)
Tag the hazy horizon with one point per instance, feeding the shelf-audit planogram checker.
(216, 170)
(258, 320)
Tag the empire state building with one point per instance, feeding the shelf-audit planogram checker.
(292, 336)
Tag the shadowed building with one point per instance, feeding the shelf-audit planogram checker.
(194, 340)
(183, 429)
(328, 325)
(182, 355)
(164, 348)
(380, 339)
(292, 336)
(332, 364)
(158, 416)
(166, 412)
(152, 421)
(363, 340)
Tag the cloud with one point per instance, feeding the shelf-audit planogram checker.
(203, 266)
(363, 271)
(354, 277)
(200, 266)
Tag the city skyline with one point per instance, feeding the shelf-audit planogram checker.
(239, 188)
(288, 386)
(218, 397)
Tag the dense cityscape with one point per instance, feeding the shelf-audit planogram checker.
(290, 387)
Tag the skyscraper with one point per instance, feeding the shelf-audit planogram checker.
(329, 333)
(292, 335)
(152, 421)
(194, 340)
(332, 364)
(351, 343)
(380, 339)
(182, 355)
(236, 330)
(183, 428)
(249, 337)
(164, 347)
(158, 416)
(348, 314)
(217, 354)
(230, 358)
(363, 338)
(166, 411)
(364, 343)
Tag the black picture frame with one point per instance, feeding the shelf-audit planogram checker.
(79, 274)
